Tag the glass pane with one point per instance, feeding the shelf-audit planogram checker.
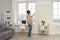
(22, 5)
(24, 17)
(55, 17)
(31, 5)
(58, 4)
(54, 11)
(59, 12)
(22, 8)
(22, 0)
(54, 4)
(23, 11)
(20, 11)
(59, 17)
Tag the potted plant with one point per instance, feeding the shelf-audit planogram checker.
(10, 25)
(43, 22)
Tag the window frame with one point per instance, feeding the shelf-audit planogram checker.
(27, 7)
(55, 20)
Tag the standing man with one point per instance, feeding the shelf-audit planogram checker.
(29, 22)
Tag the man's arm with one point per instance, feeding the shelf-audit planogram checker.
(33, 14)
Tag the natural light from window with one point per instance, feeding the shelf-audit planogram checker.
(56, 11)
(21, 0)
(32, 8)
(22, 8)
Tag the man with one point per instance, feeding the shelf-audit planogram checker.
(29, 22)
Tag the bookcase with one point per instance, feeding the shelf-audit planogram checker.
(7, 17)
(43, 29)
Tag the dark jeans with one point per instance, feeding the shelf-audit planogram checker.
(30, 29)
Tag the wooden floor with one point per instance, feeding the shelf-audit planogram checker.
(23, 36)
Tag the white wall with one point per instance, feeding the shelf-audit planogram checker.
(43, 11)
(4, 6)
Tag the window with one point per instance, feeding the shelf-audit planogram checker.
(21, 0)
(22, 7)
(32, 8)
(56, 11)
(21, 12)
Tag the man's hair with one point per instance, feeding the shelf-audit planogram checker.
(28, 11)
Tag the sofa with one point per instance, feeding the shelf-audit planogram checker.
(5, 32)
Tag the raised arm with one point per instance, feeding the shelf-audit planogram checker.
(33, 14)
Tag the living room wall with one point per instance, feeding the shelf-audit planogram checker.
(4, 6)
(46, 13)
(42, 12)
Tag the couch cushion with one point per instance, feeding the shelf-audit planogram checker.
(6, 33)
(3, 27)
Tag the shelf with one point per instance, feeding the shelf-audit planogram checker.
(43, 29)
